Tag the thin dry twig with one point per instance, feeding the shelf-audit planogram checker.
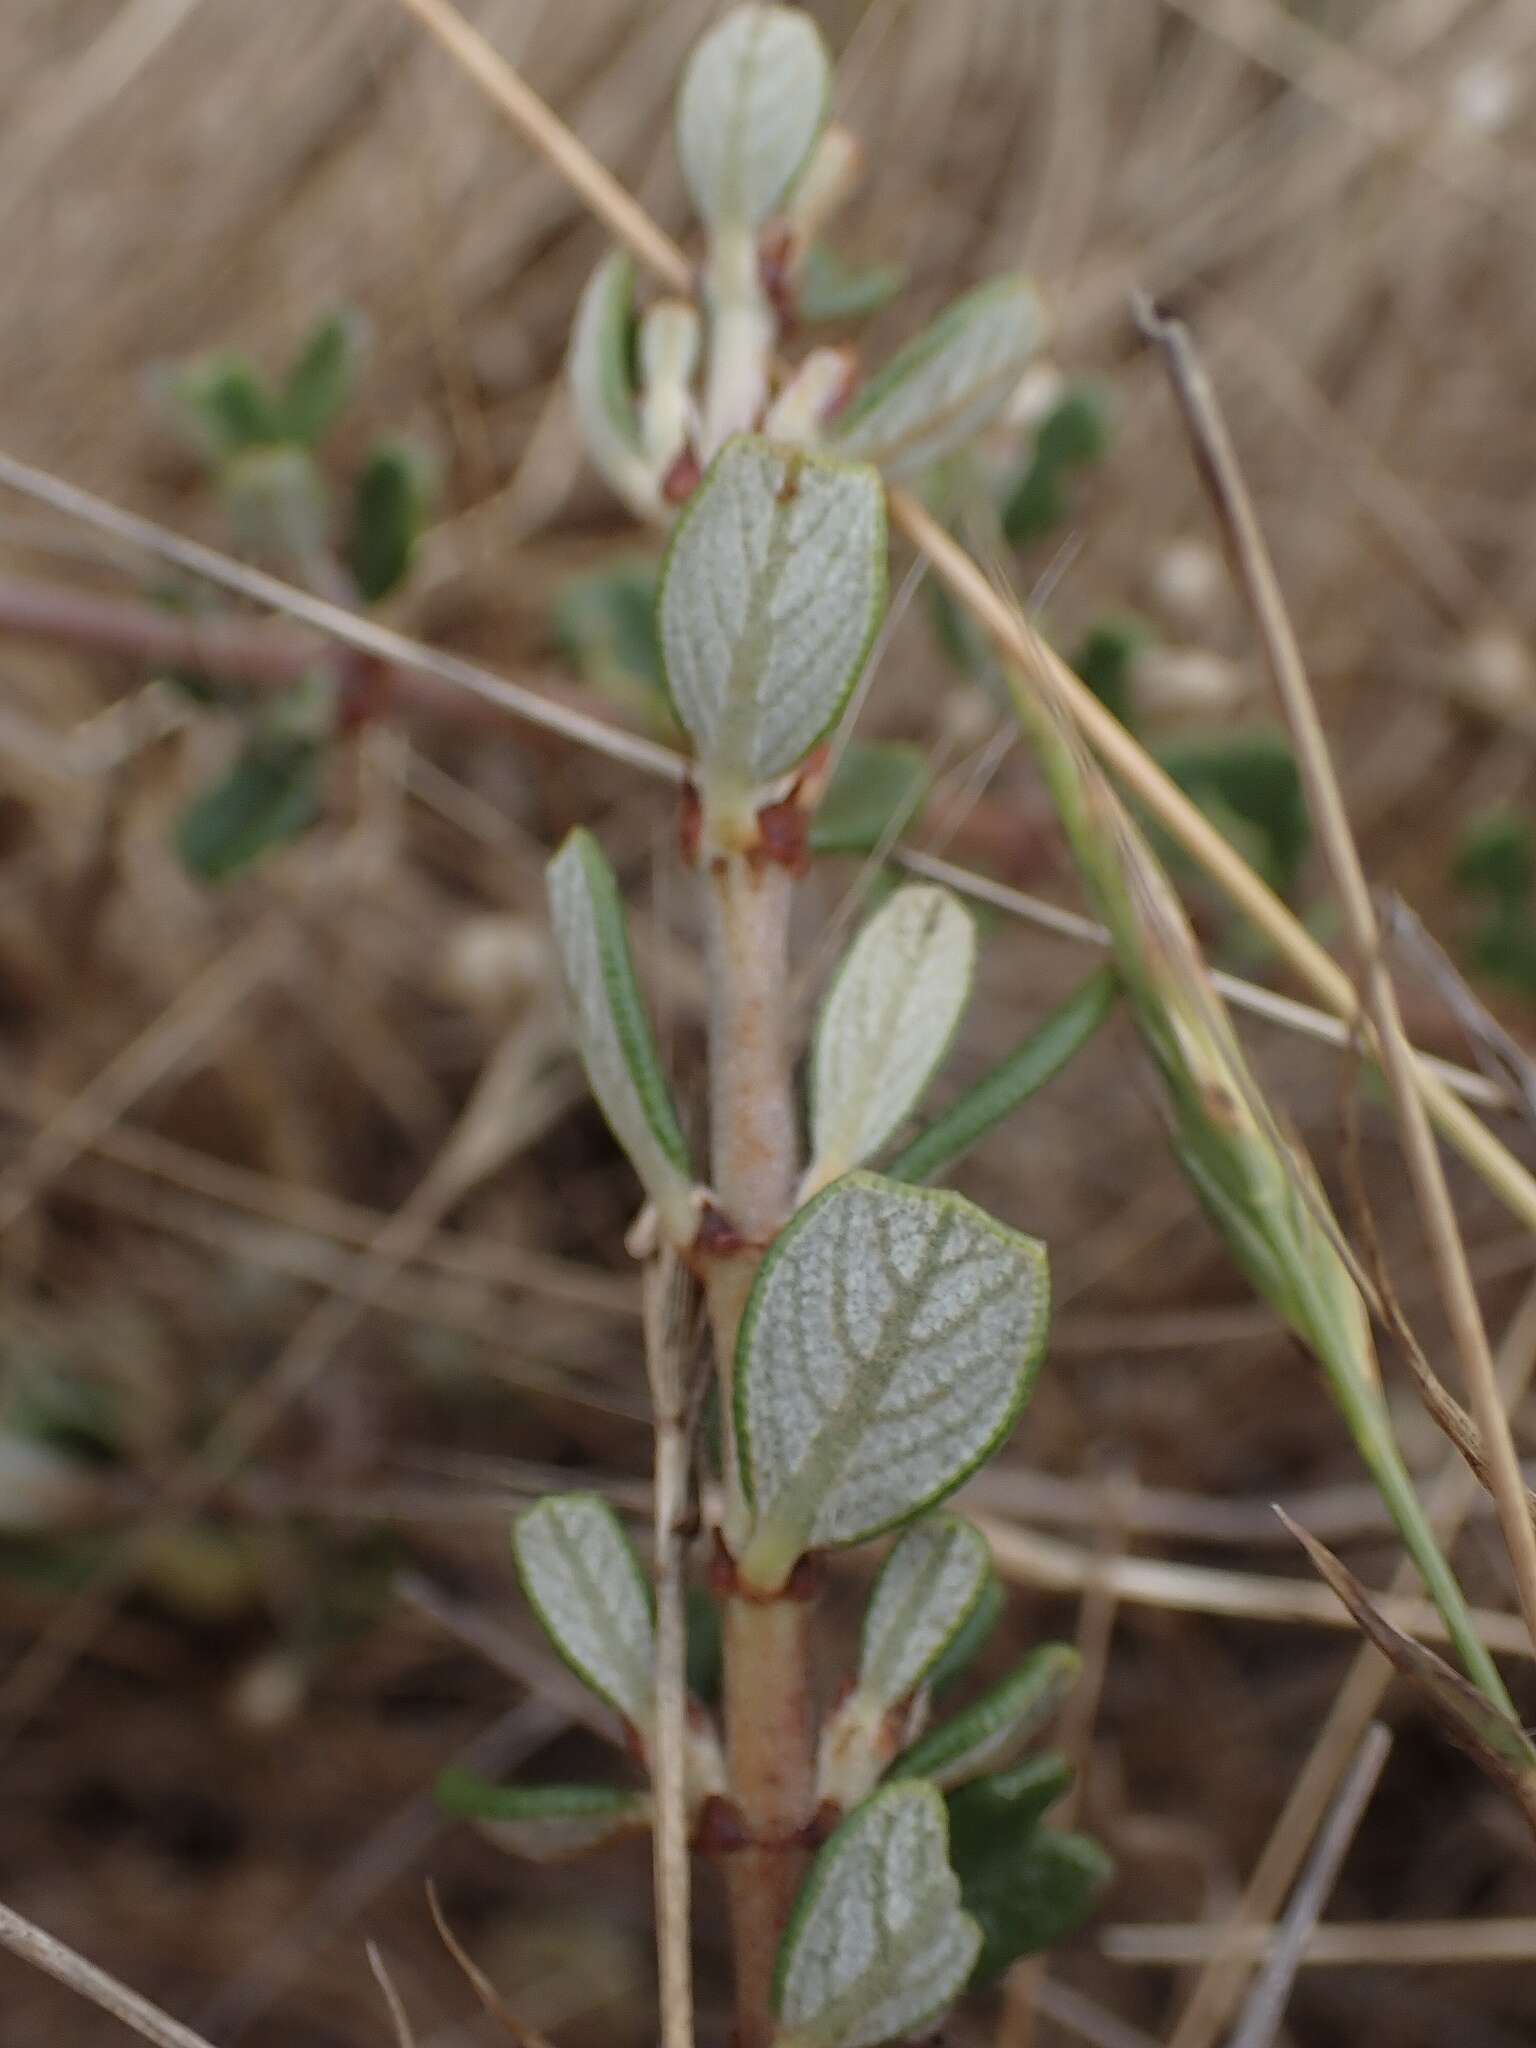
(399, 2018)
(485, 1990)
(1339, 1944)
(1034, 1560)
(1219, 467)
(66, 1967)
(1265, 2010)
(350, 628)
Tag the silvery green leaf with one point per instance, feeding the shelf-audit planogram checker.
(887, 1345)
(942, 386)
(599, 370)
(612, 1029)
(751, 105)
(991, 1733)
(877, 1946)
(886, 1024)
(771, 591)
(927, 1587)
(583, 1580)
(544, 1823)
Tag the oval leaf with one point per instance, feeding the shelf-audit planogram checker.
(771, 591)
(989, 1734)
(887, 1345)
(599, 369)
(612, 1029)
(271, 795)
(946, 383)
(390, 503)
(924, 1596)
(321, 377)
(878, 1945)
(1032, 1895)
(544, 1823)
(583, 1580)
(886, 1024)
(751, 105)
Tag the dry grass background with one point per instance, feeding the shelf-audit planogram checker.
(226, 1789)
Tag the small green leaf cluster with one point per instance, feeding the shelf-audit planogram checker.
(1495, 865)
(659, 390)
(262, 441)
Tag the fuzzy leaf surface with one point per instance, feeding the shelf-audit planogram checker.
(583, 1580)
(990, 1733)
(613, 1031)
(946, 382)
(878, 1945)
(887, 1022)
(752, 103)
(599, 369)
(927, 1588)
(773, 586)
(888, 1343)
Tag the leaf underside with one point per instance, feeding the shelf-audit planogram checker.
(751, 104)
(878, 1945)
(887, 1023)
(771, 592)
(927, 1589)
(888, 1343)
(583, 1580)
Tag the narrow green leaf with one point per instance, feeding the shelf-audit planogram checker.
(991, 1732)
(876, 792)
(544, 1823)
(584, 1581)
(225, 401)
(392, 498)
(269, 796)
(829, 287)
(888, 1343)
(877, 1947)
(600, 372)
(751, 105)
(1031, 1896)
(1106, 659)
(886, 1024)
(1011, 1082)
(972, 1638)
(612, 1029)
(927, 1590)
(772, 589)
(1001, 1811)
(1073, 434)
(321, 377)
(934, 394)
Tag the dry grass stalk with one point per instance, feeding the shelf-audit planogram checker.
(1218, 463)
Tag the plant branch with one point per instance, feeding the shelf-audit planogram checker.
(1514, 1185)
(1222, 474)
(663, 1283)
